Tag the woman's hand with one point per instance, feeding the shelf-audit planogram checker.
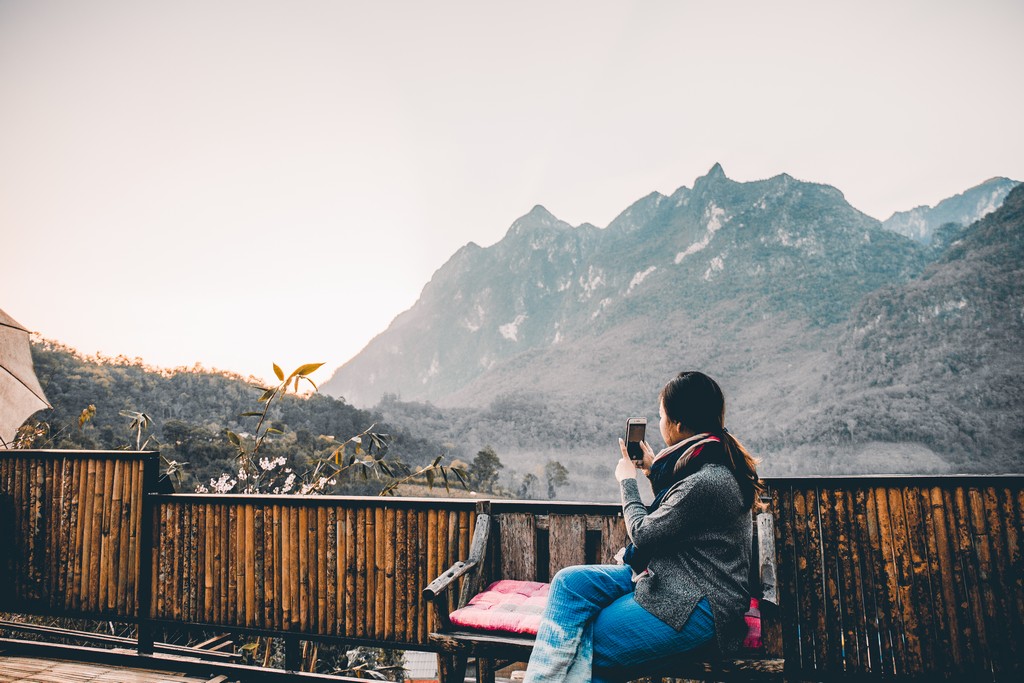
(648, 458)
(625, 468)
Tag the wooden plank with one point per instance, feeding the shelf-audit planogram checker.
(567, 540)
(518, 534)
(613, 538)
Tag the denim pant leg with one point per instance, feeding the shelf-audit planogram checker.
(626, 634)
(563, 650)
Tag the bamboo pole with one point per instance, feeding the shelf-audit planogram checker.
(295, 580)
(106, 555)
(411, 536)
(77, 530)
(331, 553)
(287, 571)
(969, 574)
(124, 550)
(216, 564)
(350, 572)
(313, 585)
(924, 604)
(1000, 578)
(66, 526)
(390, 528)
(249, 566)
(89, 500)
(340, 612)
(260, 564)
(432, 569)
(321, 571)
(135, 529)
(303, 543)
(422, 540)
(380, 572)
(401, 572)
(209, 558)
(360, 577)
(114, 526)
(371, 573)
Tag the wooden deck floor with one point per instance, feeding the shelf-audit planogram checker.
(34, 670)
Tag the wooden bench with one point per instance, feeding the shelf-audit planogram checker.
(532, 546)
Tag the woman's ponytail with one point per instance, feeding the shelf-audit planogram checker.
(696, 401)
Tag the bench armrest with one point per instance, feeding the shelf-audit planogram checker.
(442, 583)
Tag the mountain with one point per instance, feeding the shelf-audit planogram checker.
(557, 308)
(937, 361)
(922, 222)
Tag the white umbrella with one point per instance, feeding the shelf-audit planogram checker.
(20, 393)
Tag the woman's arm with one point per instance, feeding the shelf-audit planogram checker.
(680, 511)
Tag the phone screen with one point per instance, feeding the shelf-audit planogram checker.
(635, 432)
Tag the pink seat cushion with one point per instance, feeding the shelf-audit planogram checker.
(512, 606)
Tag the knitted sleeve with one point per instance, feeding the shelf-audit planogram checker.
(680, 512)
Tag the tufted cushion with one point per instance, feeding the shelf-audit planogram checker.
(513, 606)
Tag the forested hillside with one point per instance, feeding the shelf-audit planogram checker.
(191, 410)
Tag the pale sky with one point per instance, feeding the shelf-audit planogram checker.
(239, 183)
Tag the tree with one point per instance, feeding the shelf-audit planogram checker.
(556, 475)
(526, 487)
(485, 469)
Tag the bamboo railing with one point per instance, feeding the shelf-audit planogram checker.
(70, 531)
(353, 567)
(894, 576)
(901, 576)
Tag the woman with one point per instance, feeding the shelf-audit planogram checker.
(690, 552)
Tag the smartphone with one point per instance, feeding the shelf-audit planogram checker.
(636, 428)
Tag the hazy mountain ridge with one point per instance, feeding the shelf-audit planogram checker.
(921, 223)
(772, 247)
(552, 335)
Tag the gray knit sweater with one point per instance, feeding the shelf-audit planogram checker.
(700, 536)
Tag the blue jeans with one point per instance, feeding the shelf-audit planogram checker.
(592, 619)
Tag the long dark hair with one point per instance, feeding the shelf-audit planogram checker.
(696, 401)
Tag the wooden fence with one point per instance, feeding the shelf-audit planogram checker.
(894, 576)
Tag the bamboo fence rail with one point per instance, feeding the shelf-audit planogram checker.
(70, 525)
(901, 576)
